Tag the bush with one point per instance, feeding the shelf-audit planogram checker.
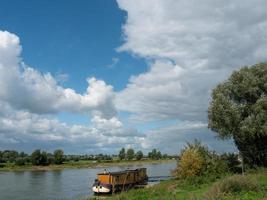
(233, 184)
(232, 162)
(130, 154)
(20, 161)
(58, 156)
(197, 160)
(191, 163)
(39, 158)
(139, 155)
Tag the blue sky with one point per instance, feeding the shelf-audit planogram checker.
(74, 38)
(95, 76)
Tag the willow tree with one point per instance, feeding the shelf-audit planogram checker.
(238, 110)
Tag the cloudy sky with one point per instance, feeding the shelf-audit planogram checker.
(95, 76)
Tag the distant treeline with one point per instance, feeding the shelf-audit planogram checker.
(38, 157)
(130, 154)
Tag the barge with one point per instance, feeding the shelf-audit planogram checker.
(110, 182)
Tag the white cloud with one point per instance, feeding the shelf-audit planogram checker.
(34, 130)
(168, 91)
(29, 101)
(190, 49)
(26, 88)
(190, 46)
(172, 139)
(213, 34)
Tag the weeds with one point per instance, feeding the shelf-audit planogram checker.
(229, 185)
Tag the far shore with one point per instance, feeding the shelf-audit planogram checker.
(81, 164)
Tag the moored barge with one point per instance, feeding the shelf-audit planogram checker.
(110, 182)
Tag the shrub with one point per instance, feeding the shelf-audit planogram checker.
(233, 184)
(197, 160)
(20, 161)
(191, 163)
(232, 162)
(58, 156)
(139, 155)
(130, 154)
(122, 154)
(39, 158)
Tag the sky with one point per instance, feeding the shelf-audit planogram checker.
(94, 76)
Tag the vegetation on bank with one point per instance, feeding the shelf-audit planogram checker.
(205, 175)
(41, 160)
(251, 186)
(130, 154)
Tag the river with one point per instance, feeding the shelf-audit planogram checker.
(66, 184)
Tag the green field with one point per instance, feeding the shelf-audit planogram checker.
(251, 186)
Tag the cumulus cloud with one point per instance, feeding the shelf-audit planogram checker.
(168, 91)
(213, 34)
(113, 127)
(26, 88)
(29, 101)
(190, 46)
(33, 130)
(173, 138)
(190, 49)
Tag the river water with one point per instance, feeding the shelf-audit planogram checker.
(66, 184)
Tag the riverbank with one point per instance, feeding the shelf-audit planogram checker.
(252, 185)
(80, 164)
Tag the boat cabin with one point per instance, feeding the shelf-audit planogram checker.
(115, 181)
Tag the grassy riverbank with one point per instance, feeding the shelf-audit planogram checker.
(251, 186)
(79, 164)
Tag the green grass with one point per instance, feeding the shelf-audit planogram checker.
(253, 187)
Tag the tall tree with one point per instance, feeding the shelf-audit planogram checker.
(39, 158)
(1, 156)
(122, 154)
(154, 154)
(238, 110)
(36, 157)
(139, 155)
(58, 156)
(130, 154)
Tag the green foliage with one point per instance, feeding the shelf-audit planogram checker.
(130, 154)
(1, 156)
(139, 155)
(232, 162)
(50, 158)
(58, 156)
(154, 155)
(39, 158)
(239, 110)
(9, 156)
(22, 155)
(20, 161)
(197, 160)
(122, 154)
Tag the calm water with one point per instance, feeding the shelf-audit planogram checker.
(64, 184)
